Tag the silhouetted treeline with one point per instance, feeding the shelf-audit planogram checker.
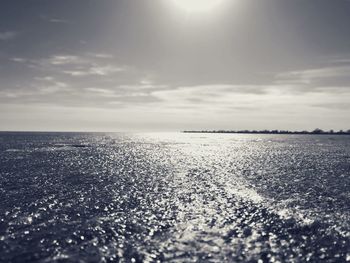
(316, 131)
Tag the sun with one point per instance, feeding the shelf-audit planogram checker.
(192, 6)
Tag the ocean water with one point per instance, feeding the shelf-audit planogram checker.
(93, 197)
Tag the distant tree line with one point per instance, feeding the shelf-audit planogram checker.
(315, 131)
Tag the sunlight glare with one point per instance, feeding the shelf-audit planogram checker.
(192, 6)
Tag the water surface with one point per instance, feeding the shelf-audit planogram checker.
(84, 197)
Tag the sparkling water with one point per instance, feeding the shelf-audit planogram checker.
(93, 197)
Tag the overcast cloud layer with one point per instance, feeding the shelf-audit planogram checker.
(146, 65)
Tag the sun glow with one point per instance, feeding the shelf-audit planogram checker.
(192, 6)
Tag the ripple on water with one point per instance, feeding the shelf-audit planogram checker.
(174, 197)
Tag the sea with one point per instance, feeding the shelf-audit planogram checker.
(174, 197)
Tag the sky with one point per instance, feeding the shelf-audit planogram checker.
(169, 65)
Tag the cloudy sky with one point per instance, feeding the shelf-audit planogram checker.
(167, 65)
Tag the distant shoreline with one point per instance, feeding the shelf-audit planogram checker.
(314, 132)
(194, 131)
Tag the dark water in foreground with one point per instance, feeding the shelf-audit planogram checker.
(68, 197)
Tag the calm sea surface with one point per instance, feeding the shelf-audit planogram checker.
(74, 197)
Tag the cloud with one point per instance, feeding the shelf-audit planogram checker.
(46, 78)
(98, 80)
(8, 35)
(65, 60)
(79, 80)
(83, 65)
(18, 60)
(57, 20)
(335, 77)
(220, 97)
(334, 106)
(95, 70)
(310, 75)
(246, 99)
(213, 92)
(83, 59)
(50, 85)
(101, 55)
(91, 64)
(38, 91)
(102, 92)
